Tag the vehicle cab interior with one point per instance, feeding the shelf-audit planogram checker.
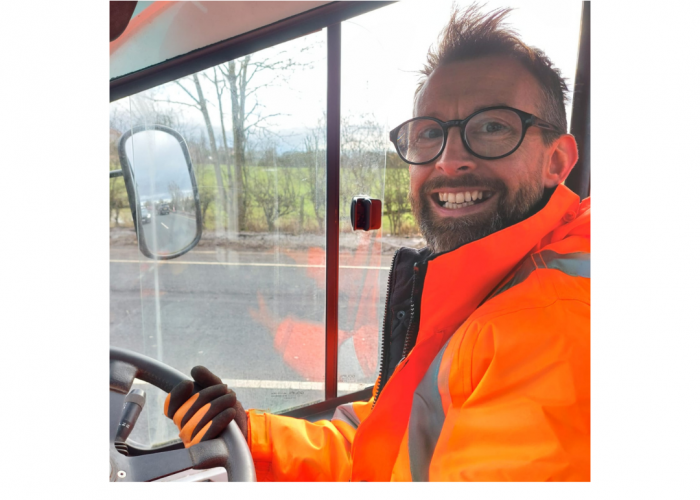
(256, 204)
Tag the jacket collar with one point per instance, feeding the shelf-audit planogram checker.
(457, 282)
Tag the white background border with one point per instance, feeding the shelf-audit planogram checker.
(55, 280)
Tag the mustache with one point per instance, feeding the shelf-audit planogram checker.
(466, 181)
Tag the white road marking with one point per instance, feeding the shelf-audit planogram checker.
(284, 384)
(166, 227)
(251, 264)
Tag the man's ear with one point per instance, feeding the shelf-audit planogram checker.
(563, 155)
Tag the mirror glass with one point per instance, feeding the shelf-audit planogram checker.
(164, 192)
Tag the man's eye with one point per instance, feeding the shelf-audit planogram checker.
(493, 127)
(431, 133)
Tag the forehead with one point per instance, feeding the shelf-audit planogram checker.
(458, 89)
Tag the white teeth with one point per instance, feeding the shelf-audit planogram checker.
(459, 200)
(454, 206)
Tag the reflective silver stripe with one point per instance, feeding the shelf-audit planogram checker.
(347, 414)
(426, 420)
(576, 264)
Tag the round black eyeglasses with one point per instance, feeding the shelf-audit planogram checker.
(489, 134)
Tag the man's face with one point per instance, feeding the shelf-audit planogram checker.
(507, 189)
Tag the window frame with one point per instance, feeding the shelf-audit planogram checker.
(328, 16)
(331, 16)
(242, 45)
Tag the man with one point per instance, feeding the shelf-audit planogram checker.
(488, 377)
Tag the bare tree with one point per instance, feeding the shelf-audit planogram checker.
(315, 156)
(176, 195)
(396, 202)
(200, 103)
(206, 197)
(240, 80)
(274, 190)
(245, 117)
(232, 194)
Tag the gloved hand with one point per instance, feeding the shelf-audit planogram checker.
(203, 415)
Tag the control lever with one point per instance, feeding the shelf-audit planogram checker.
(133, 404)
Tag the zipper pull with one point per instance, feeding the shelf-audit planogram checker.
(401, 364)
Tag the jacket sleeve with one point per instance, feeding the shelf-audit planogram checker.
(291, 449)
(521, 409)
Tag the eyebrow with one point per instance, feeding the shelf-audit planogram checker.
(474, 110)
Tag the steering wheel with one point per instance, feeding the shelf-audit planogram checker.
(230, 450)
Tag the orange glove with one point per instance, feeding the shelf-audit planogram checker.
(203, 411)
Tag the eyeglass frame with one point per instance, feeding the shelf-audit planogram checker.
(528, 120)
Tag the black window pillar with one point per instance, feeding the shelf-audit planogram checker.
(332, 209)
(579, 180)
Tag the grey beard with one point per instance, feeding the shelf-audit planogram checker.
(448, 233)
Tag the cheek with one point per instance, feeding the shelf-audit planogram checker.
(416, 177)
(509, 172)
(515, 172)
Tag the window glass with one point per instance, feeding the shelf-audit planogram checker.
(382, 53)
(248, 302)
(365, 257)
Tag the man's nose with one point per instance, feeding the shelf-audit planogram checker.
(455, 159)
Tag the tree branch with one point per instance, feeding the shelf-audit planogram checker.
(170, 101)
(261, 120)
(250, 112)
(187, 91)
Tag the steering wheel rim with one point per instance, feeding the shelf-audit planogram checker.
(229, 450)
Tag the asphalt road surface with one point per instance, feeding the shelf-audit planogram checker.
(255, 318)
(169, 233)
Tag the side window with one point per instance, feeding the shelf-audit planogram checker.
(382, 53)
(248, 301)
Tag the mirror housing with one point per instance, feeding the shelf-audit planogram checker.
(161, 187)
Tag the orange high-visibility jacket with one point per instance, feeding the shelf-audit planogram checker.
(497, 386)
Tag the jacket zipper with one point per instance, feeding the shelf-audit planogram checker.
(413, 322)
(386, 334)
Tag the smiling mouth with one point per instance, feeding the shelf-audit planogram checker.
(453, 201)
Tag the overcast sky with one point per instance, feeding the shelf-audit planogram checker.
(157, 161)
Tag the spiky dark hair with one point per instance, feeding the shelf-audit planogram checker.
(471, 34)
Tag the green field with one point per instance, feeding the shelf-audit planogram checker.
(291, 198)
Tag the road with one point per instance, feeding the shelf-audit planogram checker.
(169, 233)
(203, 308)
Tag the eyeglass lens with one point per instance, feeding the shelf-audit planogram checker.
(489, 134)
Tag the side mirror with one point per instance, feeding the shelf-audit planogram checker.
(162, 191)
